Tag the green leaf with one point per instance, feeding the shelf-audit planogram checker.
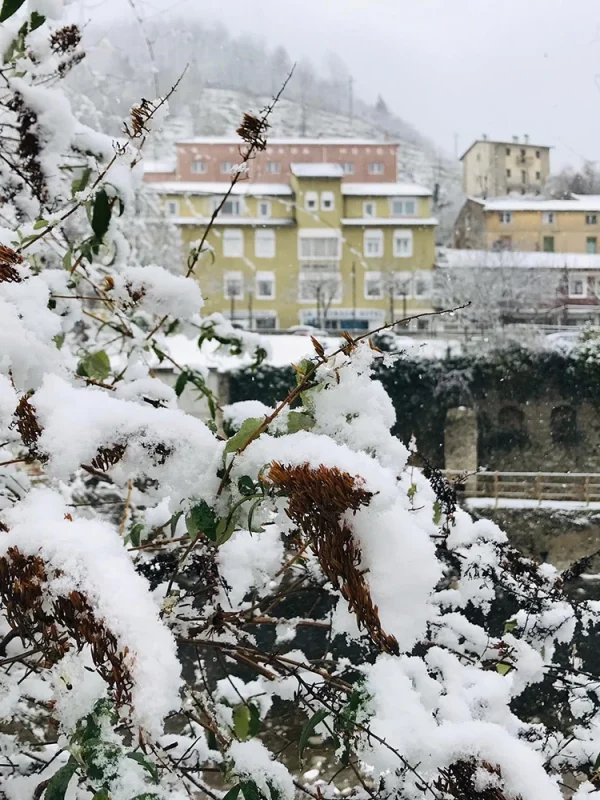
(36, 21)
(180, 383)
(241, 721)
(95, 365)
(59, 782)
(250, 790)
(412, 490)
(232, 793)
(67, 261)
(253, 508)
(135, 534)
(597, 763)
(59, 340)
(101, 215)
(254, 721)
(243, 436)
(299, 421)
(437, 513)
(309, 728)
(174, 521)
(10, 7)
(101, 759)
(79, 184)
(201, 519)
(40, 223)
(510, 625)
(147, 765)
(303, 369)
(224, 530)
(246, 485)
(503, 668)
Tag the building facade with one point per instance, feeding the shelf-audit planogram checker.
(495, 169)
(551, 226)
(330, 239)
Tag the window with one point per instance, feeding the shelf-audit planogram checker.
(199, 167)
(311, 201)
(576, 287)
(591, 245)
(264, 209)
(548, 217)
(231, 207)
(327, 200)
(348, 167)
(273, 167)
(537, 153)
(373, 287)
(422, 284)
(227, 167)
(265, 285)
(548, 244)
(233, 286)
(319, 247)
(591, 219)
(403, 244)
(173, 208)
(538, 176)
(505, 217)
(508, 173)
(264, 243)
(401, 207)
(375, 168)
(508, 151)
(522, 153)
(591, 286)
(369, 209)
(401, 284)
(373, 244)
(523, 176)
(233, 243)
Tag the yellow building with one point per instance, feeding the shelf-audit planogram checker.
(494, 169)
(551, 226)
(317, 250)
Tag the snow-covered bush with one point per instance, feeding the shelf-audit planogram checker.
(417, 685)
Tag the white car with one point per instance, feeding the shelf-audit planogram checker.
(308, 330)
(563, 340)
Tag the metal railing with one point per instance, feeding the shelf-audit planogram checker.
(582, 487)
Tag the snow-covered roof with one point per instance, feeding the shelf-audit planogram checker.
(168, 165)
(299, 140)
(322, 170)
(590, 202)
(515, 259)
(385, 189)
(221, 187)
(502, 142)
(397, 222)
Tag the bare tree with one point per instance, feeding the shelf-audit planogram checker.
(322, 287)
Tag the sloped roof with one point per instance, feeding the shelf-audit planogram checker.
(318, 170)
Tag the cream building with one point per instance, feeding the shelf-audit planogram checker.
(494, 169)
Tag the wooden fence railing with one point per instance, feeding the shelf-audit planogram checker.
(583, 487)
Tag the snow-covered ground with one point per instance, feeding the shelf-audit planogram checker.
(505, 502)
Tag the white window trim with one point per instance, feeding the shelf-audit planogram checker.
(589, 217)
(266, 203)
(320, 233)
(311, 197)
(325, 196)
(372, 277)
(231, 235)
(404, 201)
(406, 278)
(264, 235)
(373, 164)
(579, 277)
(226, 167)
(350, 165)
(375, 236)
(548, 218)
(198, 162)
(406, 235)
(235, 275)
(265, 276)
(505, 217)
(172, 208)
(216, 201)
(370, 203)
(273, 167)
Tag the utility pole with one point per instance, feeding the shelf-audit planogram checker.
(392, 309)
(250, 319)
(354, 296)
(232, 307)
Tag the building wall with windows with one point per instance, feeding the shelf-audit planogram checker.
(319, 249)
(552, 226)
(494, 169)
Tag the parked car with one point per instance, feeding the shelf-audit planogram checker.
(563, 340)
(308, 330)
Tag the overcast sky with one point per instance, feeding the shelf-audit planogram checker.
(453, 68)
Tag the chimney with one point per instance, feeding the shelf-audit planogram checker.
(484, 137)
(515, 139)
(526, 138)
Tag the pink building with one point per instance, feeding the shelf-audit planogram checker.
(211, 159)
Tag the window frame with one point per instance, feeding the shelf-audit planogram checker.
(573, 280)
(264, 236)
(228, 277)
(199, 162)
(372, 203)
(327, 197)
(216, 201)
(406, 235)
(374, 235)
(348, 167)
(373, 168)
(505, 217)
(265, 276)
(548, 218)
(319, 234)
(403, 202)
(551, 240)
(310, 197)
(175, 205)
(267, 204)
(226, 167)
(273, 167)
(231, 235)
(373, 277)
(591, 219)
(588, 241)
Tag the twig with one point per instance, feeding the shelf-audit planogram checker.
(126, 509)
